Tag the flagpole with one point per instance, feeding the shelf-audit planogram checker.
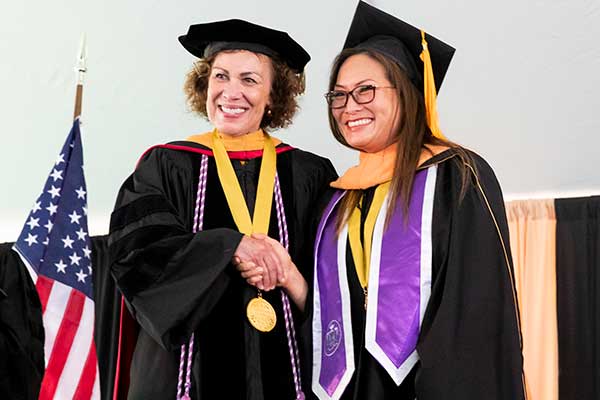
(81, 70)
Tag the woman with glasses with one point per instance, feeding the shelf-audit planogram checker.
(413, 294)
(193, 207)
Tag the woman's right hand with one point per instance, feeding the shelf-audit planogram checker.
(259, 255)
(288, 278)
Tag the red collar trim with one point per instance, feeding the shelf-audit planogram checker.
(234, 155)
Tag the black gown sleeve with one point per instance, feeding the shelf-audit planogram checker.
(170, 277)
(470, 343)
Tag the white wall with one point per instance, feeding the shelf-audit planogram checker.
(522, 88)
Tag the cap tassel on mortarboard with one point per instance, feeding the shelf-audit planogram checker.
(429, 91)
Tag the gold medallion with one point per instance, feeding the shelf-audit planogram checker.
(261, 314)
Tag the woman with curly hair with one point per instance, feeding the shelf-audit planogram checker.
(193, 207)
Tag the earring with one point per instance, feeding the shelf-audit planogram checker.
(269, 112)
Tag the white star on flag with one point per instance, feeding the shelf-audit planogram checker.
(75, 259)
(56, 175)
(33, 222)
(74, 217)
(55, 192)
(81, 234)
(49, 226)
(36, 207)
(68, 242)
(87, 252)
(52, 208)
(60, 159)
(60, 266)
(80, 193)
(31, 239)
(81, 276)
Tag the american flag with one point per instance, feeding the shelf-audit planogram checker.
(56, 248)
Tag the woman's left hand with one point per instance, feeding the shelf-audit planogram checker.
(252, 273)
(291, 280)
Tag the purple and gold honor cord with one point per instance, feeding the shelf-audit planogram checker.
(196, 227)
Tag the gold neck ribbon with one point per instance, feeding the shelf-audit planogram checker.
(233, 192)
(361, 252)
(248, 142)
(429, 90)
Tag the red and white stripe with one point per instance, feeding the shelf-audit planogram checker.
(69, 349)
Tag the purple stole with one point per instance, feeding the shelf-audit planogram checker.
(399, 289)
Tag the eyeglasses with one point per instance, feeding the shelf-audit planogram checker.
(361, 94)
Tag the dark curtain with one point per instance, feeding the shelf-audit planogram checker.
(578, 297)
(21, 328)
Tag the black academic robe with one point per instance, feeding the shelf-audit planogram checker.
(176, 282)
(21, 330)
(469, 345)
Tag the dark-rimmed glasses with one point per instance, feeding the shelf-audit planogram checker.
(361, 94)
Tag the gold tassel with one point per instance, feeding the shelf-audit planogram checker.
(429, 90)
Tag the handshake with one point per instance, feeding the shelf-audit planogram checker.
(264, 263)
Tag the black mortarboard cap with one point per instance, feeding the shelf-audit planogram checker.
(237, 34)
(374, 29)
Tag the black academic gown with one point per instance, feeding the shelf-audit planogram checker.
(176, 282)
(469, 344)
(21, 330)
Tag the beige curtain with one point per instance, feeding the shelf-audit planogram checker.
(532, 225)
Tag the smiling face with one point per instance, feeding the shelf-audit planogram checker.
(367, 127)
(238, 93)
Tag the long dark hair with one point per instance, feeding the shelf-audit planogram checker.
(412, 136)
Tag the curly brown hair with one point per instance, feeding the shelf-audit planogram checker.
(287, 85)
